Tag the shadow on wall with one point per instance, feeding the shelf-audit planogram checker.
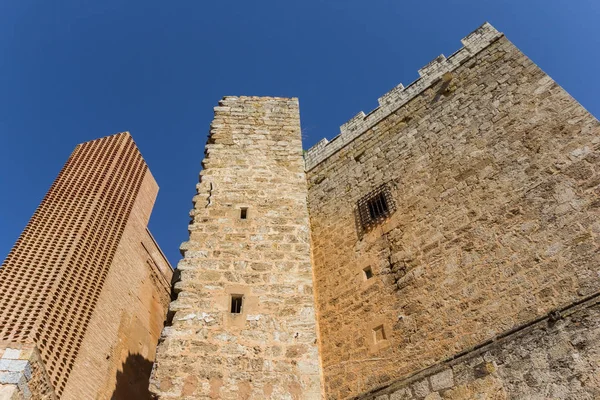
(133, 380)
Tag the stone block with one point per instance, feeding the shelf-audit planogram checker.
(24, 389)
(442, 380)
(402, 394)
(10, 377)
(13, 365)
(7, 392)
(11, 354)
(421, 388)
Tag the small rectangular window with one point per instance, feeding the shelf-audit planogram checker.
(244, 213)
(368, 272)
(236, 303)
(379, 334)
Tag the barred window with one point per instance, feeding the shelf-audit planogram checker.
(376, 206)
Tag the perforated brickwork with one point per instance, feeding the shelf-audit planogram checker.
(53, 276)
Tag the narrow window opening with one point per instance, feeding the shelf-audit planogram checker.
(236, 303)
(379, 334)
(244, 213)
(368, 272)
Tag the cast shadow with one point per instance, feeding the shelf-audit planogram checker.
(134, 379)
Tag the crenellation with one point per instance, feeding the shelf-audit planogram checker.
(490, 227)
(353, 124)
(395, 95)
(480, 38)
(398, 96)
(432, 70)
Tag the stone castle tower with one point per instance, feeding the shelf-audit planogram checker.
(454, 241)
(84, 290)
(445, 245)
(455, 235)
(244, 321)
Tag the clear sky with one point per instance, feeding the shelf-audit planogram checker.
(76, 70)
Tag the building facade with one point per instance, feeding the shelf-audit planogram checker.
(244, 321)
(463, 210)
(452, 244)
(84, 290)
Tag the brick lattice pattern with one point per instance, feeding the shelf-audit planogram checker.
(52, 278)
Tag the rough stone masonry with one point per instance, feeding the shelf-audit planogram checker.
(491, 174)
(455, 245)
(244, 323)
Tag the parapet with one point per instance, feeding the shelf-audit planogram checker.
(478, 40)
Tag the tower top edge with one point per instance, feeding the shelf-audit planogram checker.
(391, 101)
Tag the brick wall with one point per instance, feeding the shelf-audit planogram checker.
(129, 315)
(85, 281)
(268, 349)
(494, 170)
(51, 279)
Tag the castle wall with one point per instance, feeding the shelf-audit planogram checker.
(551, 359)
(115, 359)
(267, 350)
(494, 172)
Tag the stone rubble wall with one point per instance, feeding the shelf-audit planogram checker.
(552, 359)
(495, 173)
(269, 350)
(22, 373)
(400, 95)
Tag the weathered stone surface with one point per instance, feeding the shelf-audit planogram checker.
(22, 373)
(494, 172)
(269, 349)
(442, 380)
(548, 360)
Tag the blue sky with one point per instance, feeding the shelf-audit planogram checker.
(72, 71)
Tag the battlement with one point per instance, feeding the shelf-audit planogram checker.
(400, 95)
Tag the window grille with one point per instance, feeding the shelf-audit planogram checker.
(375, 207)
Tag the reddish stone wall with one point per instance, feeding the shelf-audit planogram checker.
(495, 173)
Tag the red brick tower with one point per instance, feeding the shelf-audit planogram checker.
(86, 246)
